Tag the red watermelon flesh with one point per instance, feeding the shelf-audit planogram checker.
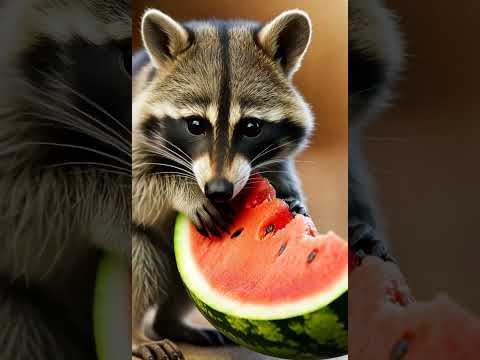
(271, 256)
(385, 323)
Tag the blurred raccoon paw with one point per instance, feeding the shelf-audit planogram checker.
(158, 350)
(296, 206)
(362, 242)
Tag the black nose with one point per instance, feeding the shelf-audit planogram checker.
(219, 190)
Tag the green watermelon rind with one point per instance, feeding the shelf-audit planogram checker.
(198, 285)
(321, 332)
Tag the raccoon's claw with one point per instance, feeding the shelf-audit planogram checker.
(362, 241)
(159, 350)
(209, 221)
(296, 206)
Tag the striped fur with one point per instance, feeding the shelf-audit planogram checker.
(222, 73)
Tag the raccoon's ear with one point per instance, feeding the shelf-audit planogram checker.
(163, 37)
(286, 39)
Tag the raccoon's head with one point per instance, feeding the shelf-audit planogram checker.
(218, 101)
(66, 82)
(65, 134)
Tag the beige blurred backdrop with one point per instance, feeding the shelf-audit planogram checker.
(322, 80)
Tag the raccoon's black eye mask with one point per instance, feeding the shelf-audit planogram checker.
(86, 81)
(252, 136)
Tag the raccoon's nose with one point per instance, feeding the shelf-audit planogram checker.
(219, 190)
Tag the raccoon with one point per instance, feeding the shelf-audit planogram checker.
(376, 60)
(65, 137)
(213, 103)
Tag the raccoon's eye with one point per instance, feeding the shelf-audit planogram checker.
(251, 127)
(196, 125)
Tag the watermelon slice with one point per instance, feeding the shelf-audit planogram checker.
(274, 284)
(387, 324)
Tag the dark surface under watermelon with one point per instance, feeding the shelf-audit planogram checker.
(293, 332)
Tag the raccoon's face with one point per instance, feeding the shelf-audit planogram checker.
(218, 102)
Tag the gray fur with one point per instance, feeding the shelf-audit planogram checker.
(55, 218)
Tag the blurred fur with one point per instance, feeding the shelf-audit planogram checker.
(376, 60)
(65, 176)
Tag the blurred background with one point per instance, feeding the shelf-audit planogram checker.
(425, 150)
(322, 80)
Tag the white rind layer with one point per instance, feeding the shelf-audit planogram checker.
(198, 285)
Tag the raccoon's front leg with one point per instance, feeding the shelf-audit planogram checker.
(151, 279)
(284, 179)
(29, 331)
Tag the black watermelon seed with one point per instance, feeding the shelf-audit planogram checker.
(399, 349)
(312, 256)
(236, 233)
(282, 249)
(269, 229)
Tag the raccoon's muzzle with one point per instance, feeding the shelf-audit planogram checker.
(219, 190)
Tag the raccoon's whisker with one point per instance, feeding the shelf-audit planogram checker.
(260, 153)
(105, 126)
(81, 124)
(171, 166)
(167, 152)
(54, 108)
(86, 129)
(267, 163)
(95, 171)
(187, 157)
(58, 80)
(89, 163)
(113, 157)
(175, 159)
(255, 171)
(177, 147)
(176, 174)
(263, 153)
(272, 171)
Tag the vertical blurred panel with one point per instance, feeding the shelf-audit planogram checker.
(65, 178)
(422, 152)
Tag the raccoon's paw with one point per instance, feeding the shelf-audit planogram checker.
(211, 220)
(158, 350)
(362, 241)
(296, 206)
(196, 336)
